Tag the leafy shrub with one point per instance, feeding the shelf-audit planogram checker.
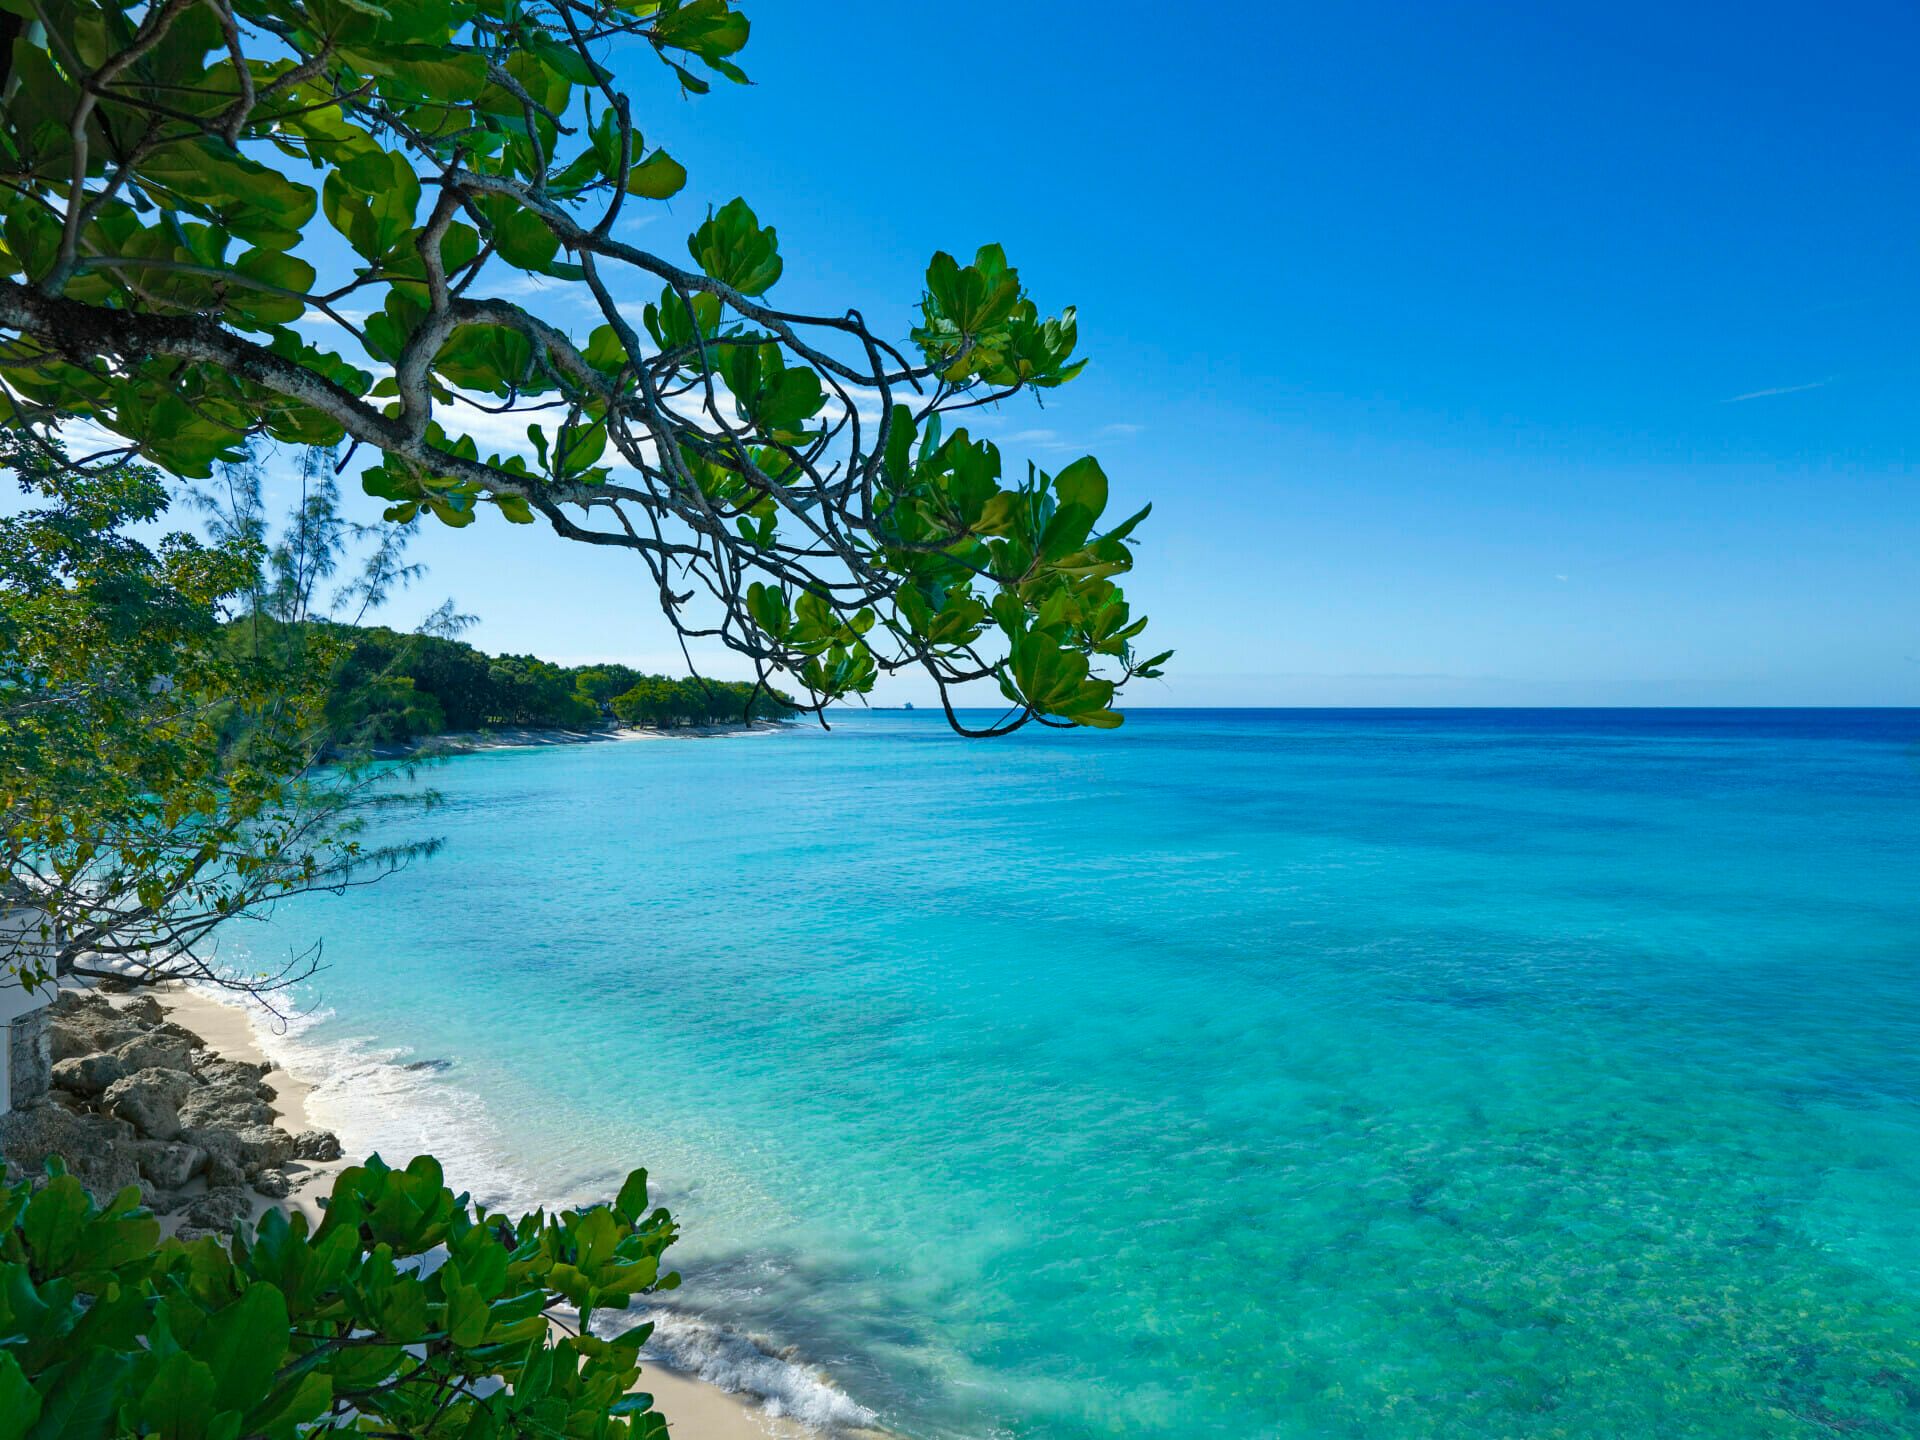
(408, 1308)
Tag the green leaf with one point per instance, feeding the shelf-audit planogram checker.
(278, 269)
(240, 194)
(707, 28)
(1083, 483)
(580, 447)
(458, 246)
(689, 81)
(117, 1237)
(657, 177)
(604, 351)
(491, 358)
(178, 1402)
(371, 200)
(467, 1316)
(563, 59)
(244, 1344)
(19, 1402)
(77, 1400)
(54, 1222)
(733, 248)
(521, 237)
(33, 237)
(297, 1403)
(671, 325)
(449, 75)
(975, 298)
(631, 1203)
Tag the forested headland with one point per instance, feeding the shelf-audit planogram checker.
(396, 686)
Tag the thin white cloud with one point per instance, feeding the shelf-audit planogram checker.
(1047, 439)
(87, 437)
(866, 404)
(1777, 390)
(522, 283)
(524, 288)
(1039, 439)
(502, 434)
(320, 317)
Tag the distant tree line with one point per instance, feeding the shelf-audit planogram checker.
(313, 586)
(396, 686)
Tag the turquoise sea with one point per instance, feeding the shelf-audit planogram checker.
(1237, 1074)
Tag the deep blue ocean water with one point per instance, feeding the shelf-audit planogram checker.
(1236, 1074)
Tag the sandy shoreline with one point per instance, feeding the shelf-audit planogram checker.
(695, 1409)
(227, 1031)
(526, 737)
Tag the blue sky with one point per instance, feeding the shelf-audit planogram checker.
(1469, 354)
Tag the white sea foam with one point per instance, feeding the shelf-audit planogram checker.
(744, 1364)
(385, 1099)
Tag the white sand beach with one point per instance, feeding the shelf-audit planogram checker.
(525, 737)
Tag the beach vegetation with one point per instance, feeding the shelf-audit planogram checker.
(409, 1310)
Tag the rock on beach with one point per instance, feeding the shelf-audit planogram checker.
(139, 1099)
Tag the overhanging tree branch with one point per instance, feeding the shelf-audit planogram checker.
(786, 477)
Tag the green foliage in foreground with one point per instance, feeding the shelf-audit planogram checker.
(396, 686)
(107, 1330)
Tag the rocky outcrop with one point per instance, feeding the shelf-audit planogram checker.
(78, 1030)
(215, 1213)
(226, 1106)
(150, 1101)
(249, 1149)
(232, 1072)
(166, 1163)
(96, 1148)
(144, 1011)
(88, 1074)
(139, 1100)
(320, 1145)
(157, 1051)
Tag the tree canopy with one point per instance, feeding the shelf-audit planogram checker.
(187, 181)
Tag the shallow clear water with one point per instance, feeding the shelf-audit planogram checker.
(1238, 1074)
